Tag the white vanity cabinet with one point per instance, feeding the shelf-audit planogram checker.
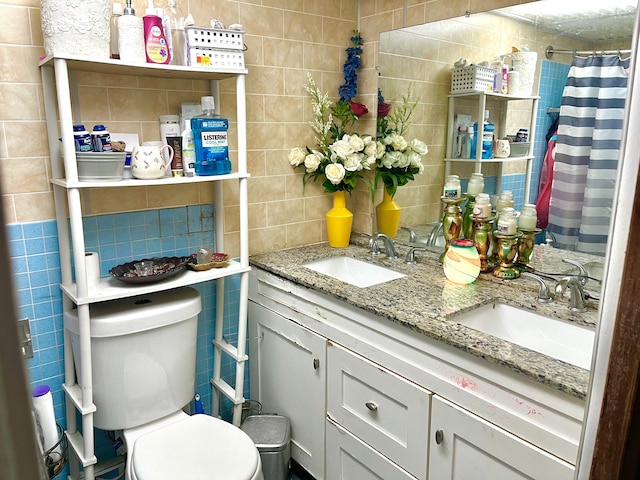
(386, 411)
(62, 110)
(389, 390)
(288, 370)
(466, 447)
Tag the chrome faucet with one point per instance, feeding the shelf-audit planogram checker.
(389, 248)
(543, 292)
(431, 241)
(412, 235)
(584, 275)
(574, 285)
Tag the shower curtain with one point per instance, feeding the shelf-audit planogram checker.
(587, 150)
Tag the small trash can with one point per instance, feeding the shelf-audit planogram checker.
(270, 433)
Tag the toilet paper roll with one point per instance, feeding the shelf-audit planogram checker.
(92, 266)
(43, 408)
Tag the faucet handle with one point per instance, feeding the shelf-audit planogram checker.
(543, 292)
(373, 245)
(410, 258)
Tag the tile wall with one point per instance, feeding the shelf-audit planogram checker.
(118, 238)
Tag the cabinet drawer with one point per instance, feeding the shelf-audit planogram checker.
(348, 458)
(381, 408)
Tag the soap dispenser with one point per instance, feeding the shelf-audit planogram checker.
(130, 36)
(155, 42)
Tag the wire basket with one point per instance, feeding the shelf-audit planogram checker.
(54, 461)
(472, 78)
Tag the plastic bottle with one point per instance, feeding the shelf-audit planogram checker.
(82, 139)
(155, 42)
(115, 15)
(188, 154)
(173, 23)
(210, 139)
(169, 127)
(101, 139)
(487, 136)
(131, 36)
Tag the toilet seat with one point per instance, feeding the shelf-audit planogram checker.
(198, 447)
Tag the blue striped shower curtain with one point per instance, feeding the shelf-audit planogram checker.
(588, 147)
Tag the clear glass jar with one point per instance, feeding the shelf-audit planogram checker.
(507, 222)
(452, 187)
(528, 218)
(504, 200)
(482, 207)
(476, 184)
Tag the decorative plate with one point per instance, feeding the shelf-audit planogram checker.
(218, 260)
(164, 267)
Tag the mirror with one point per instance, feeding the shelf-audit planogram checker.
(423, 56)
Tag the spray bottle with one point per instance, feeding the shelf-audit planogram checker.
(155, 42)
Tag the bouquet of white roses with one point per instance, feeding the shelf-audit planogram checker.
(398, 161)
(340, 162)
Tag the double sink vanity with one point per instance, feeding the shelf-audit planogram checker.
(387, 370)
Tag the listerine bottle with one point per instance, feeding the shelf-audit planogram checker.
(210, 140)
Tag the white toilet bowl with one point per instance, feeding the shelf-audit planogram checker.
(194, 447)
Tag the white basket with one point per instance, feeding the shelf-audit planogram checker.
(214, 38)
(472, 78)
(211, 58)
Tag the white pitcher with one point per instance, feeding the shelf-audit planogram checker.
(148, 161)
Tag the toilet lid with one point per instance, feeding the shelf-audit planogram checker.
(198, 447)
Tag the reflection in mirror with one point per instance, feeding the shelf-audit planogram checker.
(566, 126)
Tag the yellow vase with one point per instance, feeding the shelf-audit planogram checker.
(388, 215)
(339, 220)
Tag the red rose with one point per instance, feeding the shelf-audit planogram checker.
(359, 109)
(383, 109)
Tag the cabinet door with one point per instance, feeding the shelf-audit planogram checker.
(348, 458)
(287, 371)
(381, 408)
(466, 447)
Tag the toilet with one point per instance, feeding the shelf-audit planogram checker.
(143, 353)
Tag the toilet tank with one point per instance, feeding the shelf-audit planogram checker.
(143, 352)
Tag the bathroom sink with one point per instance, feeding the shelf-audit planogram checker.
(355, 272)
(559, 339)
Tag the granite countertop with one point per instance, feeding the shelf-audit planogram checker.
(429, 302)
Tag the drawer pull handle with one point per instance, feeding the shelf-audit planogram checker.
(439, 436)
(372, 406)
(316, 363)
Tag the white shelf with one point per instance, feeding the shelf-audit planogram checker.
(59, 87)
(134, 182)
(499, 96)
(117, 67)
(75, 394)
(489, 160)
(110, 289)
(76, 442)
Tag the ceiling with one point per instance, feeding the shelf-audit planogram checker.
(590, 20)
